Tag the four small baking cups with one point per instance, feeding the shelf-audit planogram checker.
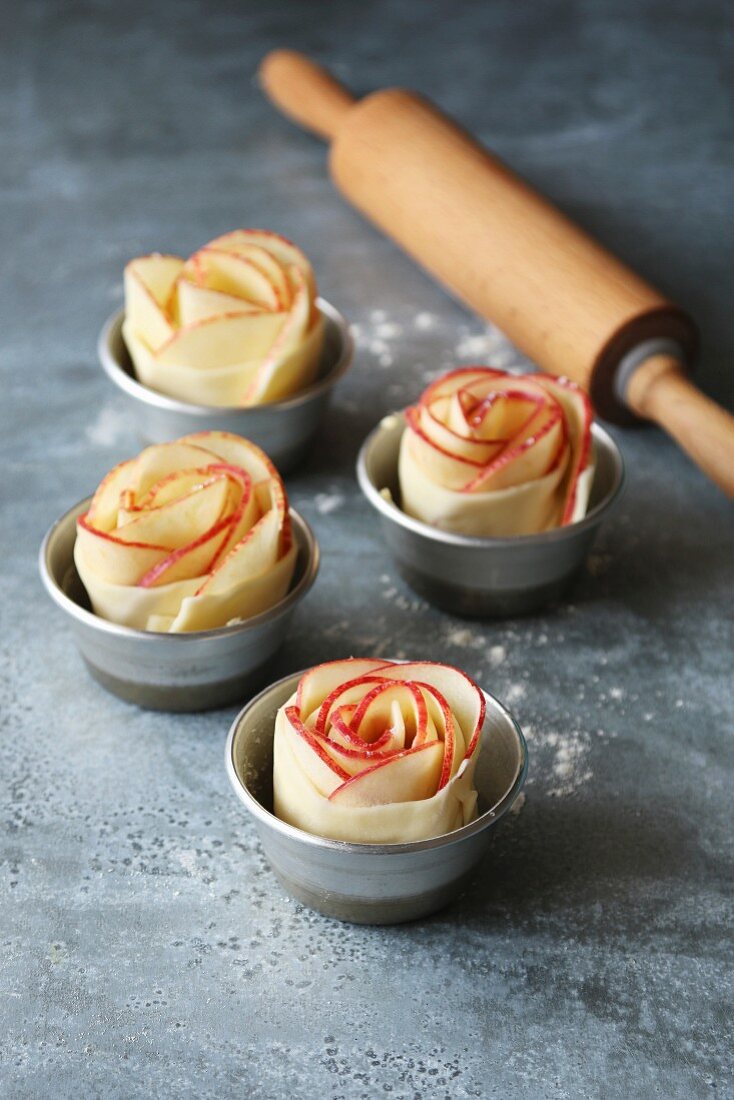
(464, 575)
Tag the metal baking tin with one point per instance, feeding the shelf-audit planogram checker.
(483, 577)
(284, 429)
(173, 672)
(371, 883)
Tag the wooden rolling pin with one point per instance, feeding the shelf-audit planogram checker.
(566, 302)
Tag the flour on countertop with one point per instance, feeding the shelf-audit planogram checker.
(326, 503)
(497, 654)
(380, 334)
(109, 427)
(463, 638)
(563, 759)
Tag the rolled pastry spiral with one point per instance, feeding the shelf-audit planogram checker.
(189, 535)
(234, 325)
(494, 454)
(372, 751)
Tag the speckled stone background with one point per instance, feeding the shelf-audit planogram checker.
(145, 949)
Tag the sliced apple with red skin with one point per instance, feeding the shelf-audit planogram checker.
(161, 459)
(282, 249)
(530, 455)
(225, 340)
(285, 344)
(374, 712)
(148, 282)
(218, 269)
(407, 776)
(190, 561)
(113, 560)
(343, 737)
(199, 303)
(236, 451)
(323, 771)
(257, 552)
(321, 680)
(579, 414)
(456, 438)
(171, 525)
(348, 693)
(441, 465)
(271, 269)
(106, 500)
(468, 704)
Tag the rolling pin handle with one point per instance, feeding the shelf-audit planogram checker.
(305, 92)
(658, 389)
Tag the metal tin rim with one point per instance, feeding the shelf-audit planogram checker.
(140, 392)
(96, 623)
(558, 534)
(489, 817)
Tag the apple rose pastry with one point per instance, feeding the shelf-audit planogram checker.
(235, 324)
(494, 454)
(189, 535)
(376, 752)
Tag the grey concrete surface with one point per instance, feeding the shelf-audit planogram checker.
(145, 948)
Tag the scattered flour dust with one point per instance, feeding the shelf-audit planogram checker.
(326, 503)
(463, 638)
(563, 759)
(110, 427)
(382, 335)
(497, 654)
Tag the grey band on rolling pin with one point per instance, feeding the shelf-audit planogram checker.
(633, 359)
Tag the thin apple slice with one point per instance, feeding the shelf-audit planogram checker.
(157, 461)
(321, 680)
(374, 714)
(257, 552)
(466, 701)
(286, 373)
(455, 438)
(440, 465)
(408, 776)
(103, 510)
(236, 451)
(520, 510)
(99, 554)
(148, 281)
(580, 471)
(289, 340)
(232, 274)
(206, 611)
(222, 341)
(281, 248)
(173, 524)
(189, 561)
(199, 303)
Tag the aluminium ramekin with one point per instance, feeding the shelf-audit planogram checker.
(483, 577)
(174, 672)
(284, 429)
(371, 883)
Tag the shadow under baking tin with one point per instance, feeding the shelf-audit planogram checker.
(186, 672)
(484, 577)
(372, 883)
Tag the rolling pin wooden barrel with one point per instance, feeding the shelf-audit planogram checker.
(564, 300)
